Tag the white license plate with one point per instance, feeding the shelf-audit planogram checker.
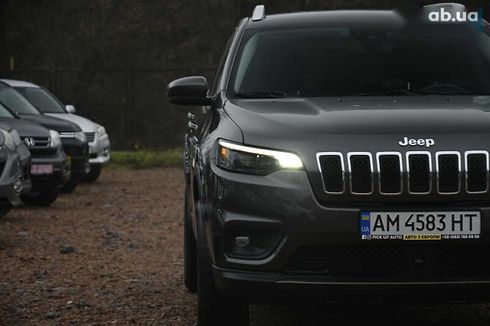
(441, 225)
(38, 169)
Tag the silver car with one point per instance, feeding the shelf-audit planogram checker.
(15, 163)
(48, 104)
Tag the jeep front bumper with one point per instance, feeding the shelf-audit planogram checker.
(298, 246)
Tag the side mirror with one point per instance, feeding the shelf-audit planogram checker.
(189, 91)
(70, 108)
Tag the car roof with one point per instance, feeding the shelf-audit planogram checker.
(18, 83)
(348, 18)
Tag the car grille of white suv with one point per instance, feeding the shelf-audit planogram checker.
(90, 136)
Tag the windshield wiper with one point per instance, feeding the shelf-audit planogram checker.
(261, 94)
(400, 91)
(443, 89)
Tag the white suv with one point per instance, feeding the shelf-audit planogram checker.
(48, 104)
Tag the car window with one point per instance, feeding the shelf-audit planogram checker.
(340, 61)
(4, 112)
(42, 99)
(16, 102)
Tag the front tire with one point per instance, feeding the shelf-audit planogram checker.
(190, 254)
(70, 186)
(213, 309)
(43, 198)
(93, 175)
(4, 209)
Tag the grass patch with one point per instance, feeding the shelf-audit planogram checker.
(146, 159)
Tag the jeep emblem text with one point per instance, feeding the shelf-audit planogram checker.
(416, 142)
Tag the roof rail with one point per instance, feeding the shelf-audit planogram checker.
(259, 13)
(451, 6)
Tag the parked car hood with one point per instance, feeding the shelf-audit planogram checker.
(301, 119)
(25, 128)
(52, 123)
(363, 124)
(84, 123)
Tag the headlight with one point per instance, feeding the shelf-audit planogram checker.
(245, 159)
(100, 131)
(15, 137)
(80, 136)
(55, 140)
(9, 140)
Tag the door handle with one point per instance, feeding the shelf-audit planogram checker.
(191, 116)
(192, 125)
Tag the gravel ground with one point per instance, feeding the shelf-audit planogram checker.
(111, 254)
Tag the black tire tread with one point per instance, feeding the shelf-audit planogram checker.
(94, 174)
(190, 254)
(70, 186)
(213, 308)
(43, 198)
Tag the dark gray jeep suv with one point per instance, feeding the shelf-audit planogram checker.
(341, 156)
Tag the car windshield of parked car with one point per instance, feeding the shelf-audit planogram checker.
(453, 59)
(4, 112)
(42, 99)
(16, 102)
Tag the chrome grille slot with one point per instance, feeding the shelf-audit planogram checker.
(448, 167)
(332, 168)
(361, 173)
(90, 136)
(476, 166)
(390, 173)
(419, 172)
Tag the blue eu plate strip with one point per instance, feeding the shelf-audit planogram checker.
(365, 223)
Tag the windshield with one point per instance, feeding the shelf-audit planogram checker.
(16, 102)
(340, 61)
(42, 99)
(4, 112)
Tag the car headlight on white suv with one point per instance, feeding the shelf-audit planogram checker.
(54, 139)
(100, 131)
(251, 160)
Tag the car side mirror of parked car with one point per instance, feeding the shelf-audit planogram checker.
(70, 108)
(189, 91)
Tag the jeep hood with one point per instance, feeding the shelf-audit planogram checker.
(85, 124)
(354, 122)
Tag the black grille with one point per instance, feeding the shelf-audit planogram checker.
(361, 174)
(90, 136)
(332, 173)
(419, 174)
(38, 146)
(36, 142)
(477, 173)
(390, 181)
(448, 169)
(394, 262)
